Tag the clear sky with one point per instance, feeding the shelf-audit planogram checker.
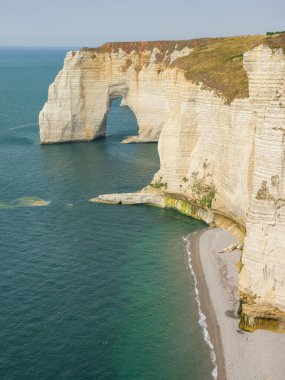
(92, 22)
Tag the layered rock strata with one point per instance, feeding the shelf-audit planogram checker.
(81, 95)
(221, 140)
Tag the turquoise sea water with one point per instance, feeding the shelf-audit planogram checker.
(88, 291)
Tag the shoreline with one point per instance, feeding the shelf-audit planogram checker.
(239, 355)
(212, 326)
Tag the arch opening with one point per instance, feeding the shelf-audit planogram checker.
(120, 119)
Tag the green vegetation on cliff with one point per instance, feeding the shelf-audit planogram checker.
(219, 63)
(272, 33)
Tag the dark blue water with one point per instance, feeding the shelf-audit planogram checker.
(88, 291)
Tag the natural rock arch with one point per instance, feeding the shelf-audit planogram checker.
(79, 98)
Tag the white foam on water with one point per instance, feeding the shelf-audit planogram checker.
(202, 317)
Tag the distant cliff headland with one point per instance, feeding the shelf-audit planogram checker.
(217, 109)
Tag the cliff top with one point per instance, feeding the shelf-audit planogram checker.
(217, 62)
(140, 46)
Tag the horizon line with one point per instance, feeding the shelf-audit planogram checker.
(40, 46)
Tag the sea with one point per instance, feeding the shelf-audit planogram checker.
(88, 291)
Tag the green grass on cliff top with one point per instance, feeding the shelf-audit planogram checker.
(217, 62)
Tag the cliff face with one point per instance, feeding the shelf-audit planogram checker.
(262, 280)
(143, 73)
(80, 97)
(218, 109)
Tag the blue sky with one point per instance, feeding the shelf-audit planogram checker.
(92, 22)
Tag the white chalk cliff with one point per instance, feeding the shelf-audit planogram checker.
(221, 156)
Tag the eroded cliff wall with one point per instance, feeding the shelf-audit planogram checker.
(79, 98)
(262, 279)
(218, 109)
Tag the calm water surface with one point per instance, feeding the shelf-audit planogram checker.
(88, 291)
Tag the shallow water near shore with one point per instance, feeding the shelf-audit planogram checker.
(88, 291)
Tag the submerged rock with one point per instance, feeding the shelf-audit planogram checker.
(24, 202)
